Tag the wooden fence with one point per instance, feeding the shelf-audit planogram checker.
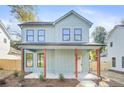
(103, 66)
(10, 64)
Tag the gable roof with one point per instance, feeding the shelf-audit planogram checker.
(75, 13)
(59, 19)
(113, 30)
(4, 29)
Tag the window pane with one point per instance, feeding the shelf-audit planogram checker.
(78, 31)
(122, 62)
(78, 37)
(29, 58)
(66, 31)
(41, 38)
(41, 32)
(30, 38)
(66, 37)
(40, 60)
(113, 62)
(30, 32)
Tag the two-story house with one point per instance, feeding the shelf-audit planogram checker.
(116, 48)
(58, 47)
(4, 40)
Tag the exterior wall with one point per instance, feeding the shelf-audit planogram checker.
(6, 64)
(72, 22)
(60, 61)
(85, 62)
(118, 48)
(49, 30)
(4, 47)
(53, 33)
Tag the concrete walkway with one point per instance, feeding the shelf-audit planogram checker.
(86, 83)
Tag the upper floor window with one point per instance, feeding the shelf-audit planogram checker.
(30, 35)
(5, 40)
(41, 35)
(77, 34)
(113, 62)
(111, 44)
(65, 34)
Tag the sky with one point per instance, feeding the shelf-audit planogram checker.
(99, 15)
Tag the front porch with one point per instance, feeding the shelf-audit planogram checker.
(63, 59)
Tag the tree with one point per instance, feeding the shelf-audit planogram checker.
(23, 13)
(99, 36)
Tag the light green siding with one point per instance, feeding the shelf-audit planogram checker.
(59, 61)
(53, 33)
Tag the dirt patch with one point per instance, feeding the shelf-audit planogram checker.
(13, 81)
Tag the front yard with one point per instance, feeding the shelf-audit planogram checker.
(13, 81)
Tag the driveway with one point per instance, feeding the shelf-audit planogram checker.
(5, 73)
(113, 76)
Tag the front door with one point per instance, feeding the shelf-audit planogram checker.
(79, 64)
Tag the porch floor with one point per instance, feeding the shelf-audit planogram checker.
(81, 76)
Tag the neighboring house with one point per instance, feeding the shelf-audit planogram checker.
(116, 48)
(57, 47)
(4, 40)
(6, 52)
(9, 57)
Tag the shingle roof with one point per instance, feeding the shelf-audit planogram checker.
(4, 29)
(36, 23)
(59, 19)
(64, 44)
(113, 30)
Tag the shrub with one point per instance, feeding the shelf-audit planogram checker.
(21, 76)
(16, 74)
(61, 77)
(42, 77)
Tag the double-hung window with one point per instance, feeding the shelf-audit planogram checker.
(29, 59)
(40, 61)
(123, 62)
(113, 62)
(65, 34)
(41, 35)
(77, 34)
(30, 35)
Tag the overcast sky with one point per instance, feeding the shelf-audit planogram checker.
(106, 16)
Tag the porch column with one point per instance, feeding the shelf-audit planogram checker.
(76, 63)
(22, 59)
(45, 63)
(98, 61)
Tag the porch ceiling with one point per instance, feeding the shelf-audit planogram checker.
(55, 45)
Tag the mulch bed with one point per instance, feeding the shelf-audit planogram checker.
(13, 81)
